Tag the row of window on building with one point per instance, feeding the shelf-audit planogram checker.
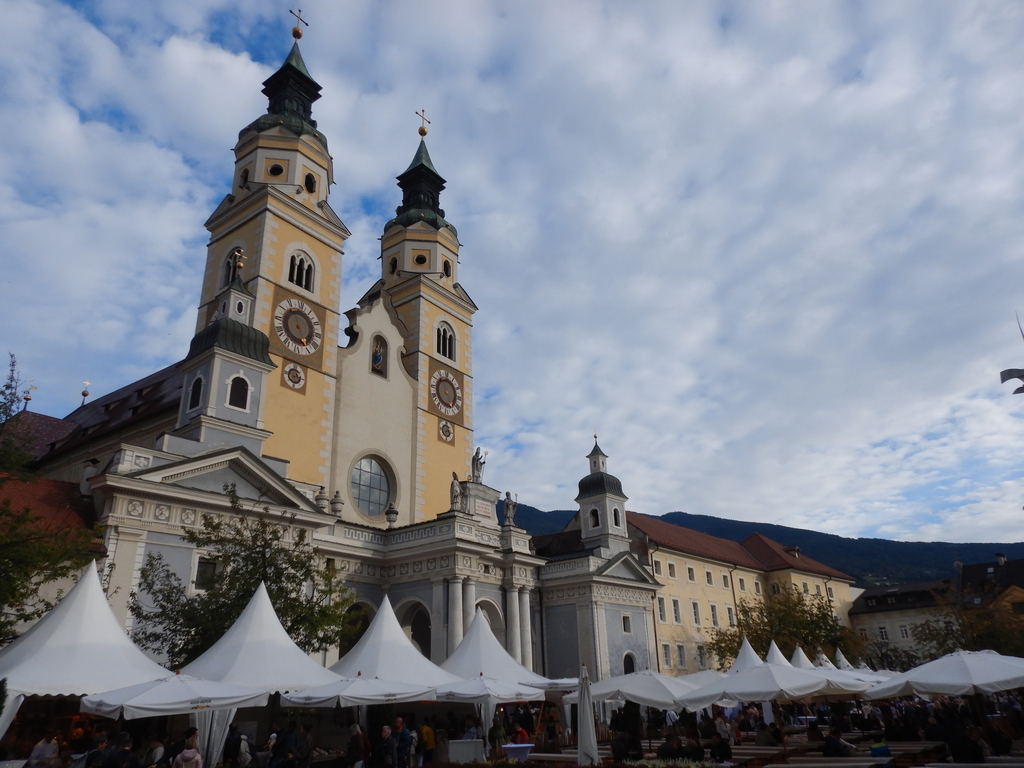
(709, 576)
(678, 660)
(883, 632)
(677, 616)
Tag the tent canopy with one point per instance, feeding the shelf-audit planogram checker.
(358, 691)
(957, 674)
(174, 695)
(77, 648)
(774, 656)
(386, 653)
(651, 689)
(770, 682)
(257, 652)
(800, 660)
(480, 653)
(747, 658)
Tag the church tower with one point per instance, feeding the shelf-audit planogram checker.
(404, 421)
(602, 507)
(274, 264)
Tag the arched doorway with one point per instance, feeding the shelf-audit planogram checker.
(415, 621)
(493, 615)
(628, 664)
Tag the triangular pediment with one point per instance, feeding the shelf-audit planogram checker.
(626, 567)
(252, 478)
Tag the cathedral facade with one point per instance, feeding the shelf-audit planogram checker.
(355, 428)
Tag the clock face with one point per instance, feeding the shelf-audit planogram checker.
(446, 393)
(293, 376)
(297, 326)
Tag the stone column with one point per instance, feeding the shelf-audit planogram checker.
(526, 629)
(468, 602)
(513, 636)
(454, 613)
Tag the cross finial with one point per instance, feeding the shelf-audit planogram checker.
(297, 30)
(422, 115)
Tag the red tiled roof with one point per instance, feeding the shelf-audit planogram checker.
(57, 503)
(695, 542)
(777, 557)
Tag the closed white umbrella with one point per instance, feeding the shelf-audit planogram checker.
(770, 682)
(353, 692)
(957, 674)
(648, 688)
(586, 735)
(174, 695)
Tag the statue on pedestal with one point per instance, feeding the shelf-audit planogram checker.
(510, 508)
(456, 493)
(478, 466)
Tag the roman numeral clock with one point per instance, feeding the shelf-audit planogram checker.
(297, 326)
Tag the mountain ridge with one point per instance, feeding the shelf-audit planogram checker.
(870, 561)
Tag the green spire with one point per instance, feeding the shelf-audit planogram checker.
(295, 59)
(291, 90)
(422, 157)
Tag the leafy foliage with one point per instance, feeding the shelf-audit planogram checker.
(14, 441)
(790, 618)
(881, 654)
(964, 625)
(33, 551)
(248, 547)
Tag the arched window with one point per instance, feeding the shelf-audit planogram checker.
(238, 393)
(628, 664)
(243, 179)
(446, 341)
(300, 271)
(379, 356)
(615, 518)
(310, 183)
(371, 487)
(595, 518)
(447, 268)
(392, 266)
(230, 271)
(195, 393)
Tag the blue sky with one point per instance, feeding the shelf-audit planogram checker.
(771, 252)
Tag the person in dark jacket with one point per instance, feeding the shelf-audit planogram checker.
(835, 746)
(719, 751)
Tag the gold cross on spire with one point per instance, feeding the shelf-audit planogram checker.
(422, 115)
(297, 30)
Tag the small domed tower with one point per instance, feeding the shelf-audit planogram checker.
(602, 507)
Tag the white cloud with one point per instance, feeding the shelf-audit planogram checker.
(770, 251)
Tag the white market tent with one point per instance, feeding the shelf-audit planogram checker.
(770, 682)
(386, 653)
(800, 660)
(173, 695)
(651, 689)
(747, 658)
(256, 652)
(774, 656)
(957, 674)
(488, 691)
(77, 648)
(480, 654)
(823, 662)
(842, 662)
(353, 692)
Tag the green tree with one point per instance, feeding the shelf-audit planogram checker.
(881, 654)
(33, 551)
(790, 618)
(970, 626)
(248, 547)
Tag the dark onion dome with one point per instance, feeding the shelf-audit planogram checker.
(600, 484)
(232, 336)
(421, 187)
(291, 92)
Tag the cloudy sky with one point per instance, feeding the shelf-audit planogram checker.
(770, 251)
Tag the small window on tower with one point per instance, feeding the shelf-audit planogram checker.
(310, 183)
(195, 394)
(595, 518)
(421, 259)
(275, 170)
(238, 393)
(446, 341)
(243, 179)
(230, 270)
(447, 268)
(300, 271)
(393, 266)
(615, 518)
